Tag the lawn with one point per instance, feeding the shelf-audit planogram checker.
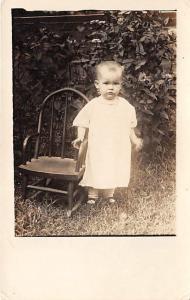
(147, 208)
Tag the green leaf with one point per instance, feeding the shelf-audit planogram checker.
(148, 112)
(116, 29)
(149, 101)
(127, 65)
(164, 115)
(130, 28)
(121, 52)
(166, 21)
(161, 132)
(159, 82)
(166, 65)
(172, 99)
(142, 76)
(128, 60)
(140, 64)
(143, 38)
(77, 104)
(147, 91)
(141, 49)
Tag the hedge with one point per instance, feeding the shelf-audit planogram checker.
(140, 40)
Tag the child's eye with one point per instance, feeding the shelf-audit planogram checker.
(114, 83)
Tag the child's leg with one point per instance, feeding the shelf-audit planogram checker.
(108, 193)
(92, 195)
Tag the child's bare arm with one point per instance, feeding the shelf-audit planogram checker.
(81, 132)
(135, 140)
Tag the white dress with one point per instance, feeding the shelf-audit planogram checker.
(108, 159)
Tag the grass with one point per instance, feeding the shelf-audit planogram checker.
(148, 208)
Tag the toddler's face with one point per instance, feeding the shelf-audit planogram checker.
(109, 83)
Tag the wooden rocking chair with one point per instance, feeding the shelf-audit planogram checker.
(49, 166)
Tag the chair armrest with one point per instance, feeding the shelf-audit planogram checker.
(81, 154)
(26, 143)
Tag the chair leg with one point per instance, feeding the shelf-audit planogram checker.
(70, 198)
(24, 186)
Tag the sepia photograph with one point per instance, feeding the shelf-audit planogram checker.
(94, 150)
(94, 122)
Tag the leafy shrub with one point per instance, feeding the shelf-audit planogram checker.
(49, 57)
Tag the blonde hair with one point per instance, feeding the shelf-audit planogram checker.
(111, 65)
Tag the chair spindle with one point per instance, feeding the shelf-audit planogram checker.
(51, 128)
(64, 129)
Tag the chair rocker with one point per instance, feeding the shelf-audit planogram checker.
(50, 166)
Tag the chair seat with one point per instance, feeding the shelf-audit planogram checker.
(53, 166)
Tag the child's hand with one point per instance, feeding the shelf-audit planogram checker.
(76, 143)
(138, 144)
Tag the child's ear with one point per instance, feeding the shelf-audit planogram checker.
(96, 83)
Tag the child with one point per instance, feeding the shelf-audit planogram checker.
(111, 121)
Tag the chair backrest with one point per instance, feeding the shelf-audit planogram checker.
(57, 112)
